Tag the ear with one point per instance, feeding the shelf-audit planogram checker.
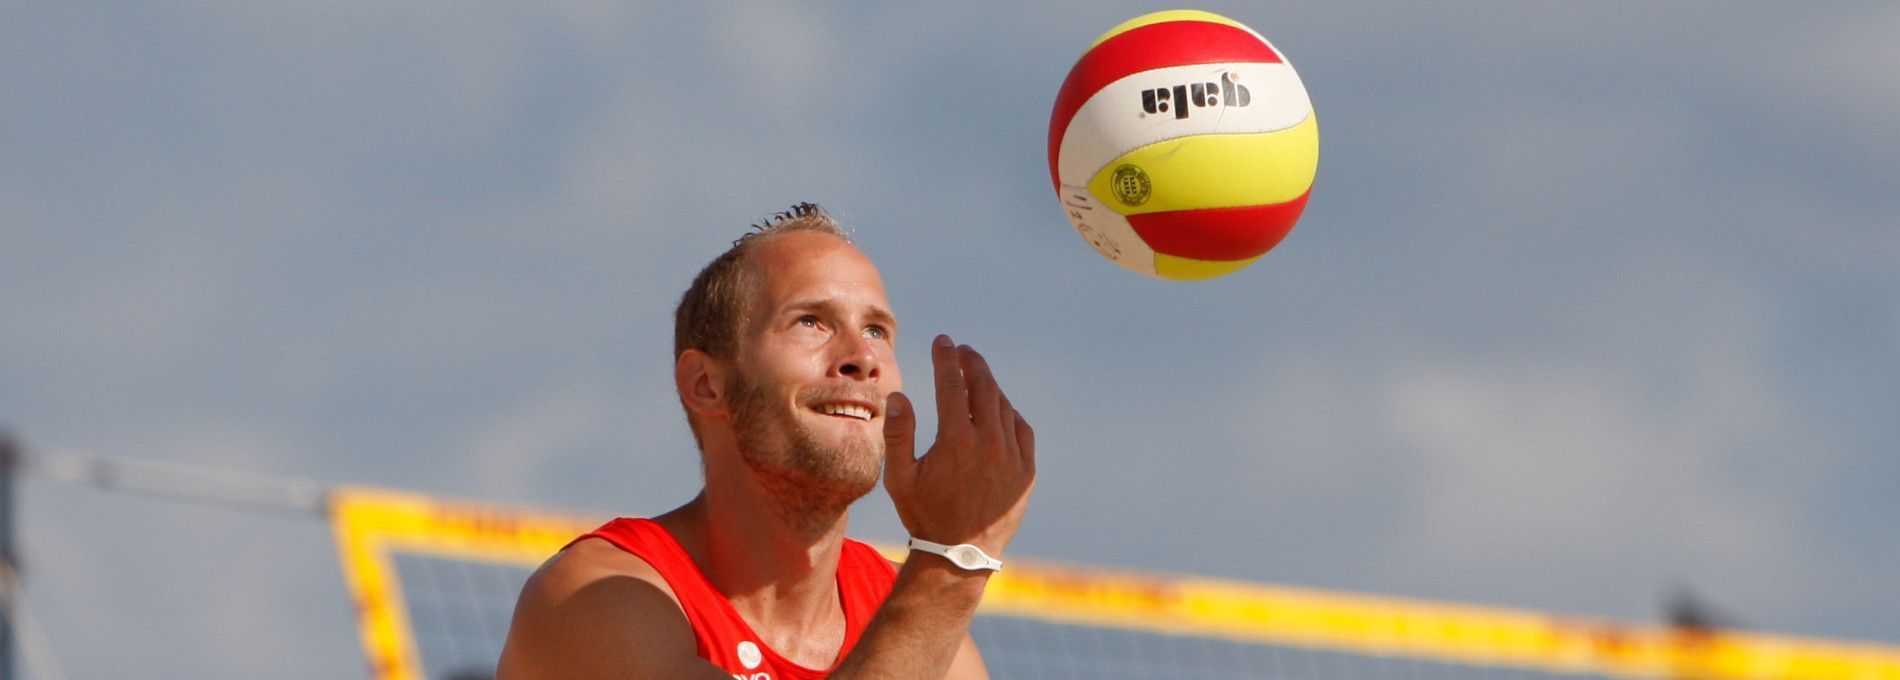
(701, 382)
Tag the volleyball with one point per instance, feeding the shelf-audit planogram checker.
(1182, 145)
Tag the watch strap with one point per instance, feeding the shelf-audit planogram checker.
(965, 556)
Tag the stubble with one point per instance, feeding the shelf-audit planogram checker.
(813, 480)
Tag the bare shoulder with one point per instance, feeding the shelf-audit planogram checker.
(594, 610)
(587, 563)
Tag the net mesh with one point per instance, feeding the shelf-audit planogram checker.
(459, 611)
(435, 583)
(1025, 648)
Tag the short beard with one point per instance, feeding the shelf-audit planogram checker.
(813, 483)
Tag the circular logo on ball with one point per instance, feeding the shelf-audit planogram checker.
(749, 655)
(1131, 185)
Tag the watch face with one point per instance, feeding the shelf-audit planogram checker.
(965, 557)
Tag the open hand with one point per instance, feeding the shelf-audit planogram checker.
(973, 485)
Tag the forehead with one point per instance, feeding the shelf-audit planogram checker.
(803, 266)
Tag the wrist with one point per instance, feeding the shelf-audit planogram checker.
(964, 556)
(949, 583)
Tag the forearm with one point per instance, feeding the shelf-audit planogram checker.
(918, 630)
(972, 487)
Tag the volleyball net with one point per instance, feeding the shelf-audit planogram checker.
(435, 580)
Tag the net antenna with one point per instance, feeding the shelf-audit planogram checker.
(9, 569)
(18, 628)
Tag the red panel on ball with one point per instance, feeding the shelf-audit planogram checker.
(1171, 43)
(1219, 233)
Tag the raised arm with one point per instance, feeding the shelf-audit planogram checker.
(595, 612)
(972, 486)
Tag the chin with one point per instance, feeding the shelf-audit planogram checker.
(815, 474)
(849, 472)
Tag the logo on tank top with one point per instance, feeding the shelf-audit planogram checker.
(749, 655)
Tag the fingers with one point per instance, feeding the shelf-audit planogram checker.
(966, 390)
(900, 444)
(986, 399)
(1007, 425)
(1026, 444)
(900, 428)
(1019, 437)
(953, 400)
(970, 401)
(973, 483)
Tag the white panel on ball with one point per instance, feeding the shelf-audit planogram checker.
(1106, 230)
(1120, 124)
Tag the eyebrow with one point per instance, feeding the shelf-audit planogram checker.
(884, 316)
(877, 314)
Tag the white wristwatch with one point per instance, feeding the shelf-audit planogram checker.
(967, 557)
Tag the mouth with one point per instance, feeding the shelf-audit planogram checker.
(845, 409)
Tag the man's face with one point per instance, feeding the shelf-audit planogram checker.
(814, 367)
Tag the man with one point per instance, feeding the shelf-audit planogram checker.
(785, 364)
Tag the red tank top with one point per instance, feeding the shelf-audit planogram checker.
(725, 639)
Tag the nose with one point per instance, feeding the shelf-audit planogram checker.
(857, 358)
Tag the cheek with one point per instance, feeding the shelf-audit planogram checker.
(893, 376)
(792, 364)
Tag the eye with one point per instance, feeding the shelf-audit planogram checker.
(808, 321)
(877, 333)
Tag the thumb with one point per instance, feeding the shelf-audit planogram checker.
(900, 436)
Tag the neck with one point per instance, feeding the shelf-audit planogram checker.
(752, 532)
(776, 563)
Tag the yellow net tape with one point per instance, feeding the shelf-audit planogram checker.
(370, 524)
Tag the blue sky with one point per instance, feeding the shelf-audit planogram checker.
(1592, 301)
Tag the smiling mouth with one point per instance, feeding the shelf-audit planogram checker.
(845, 410)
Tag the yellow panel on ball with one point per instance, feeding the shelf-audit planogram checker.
(1212, 171)
(1189, 269)
(1166, 16)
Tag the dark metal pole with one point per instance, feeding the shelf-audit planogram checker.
(9, 562)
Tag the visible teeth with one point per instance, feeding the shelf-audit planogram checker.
(859, 412)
